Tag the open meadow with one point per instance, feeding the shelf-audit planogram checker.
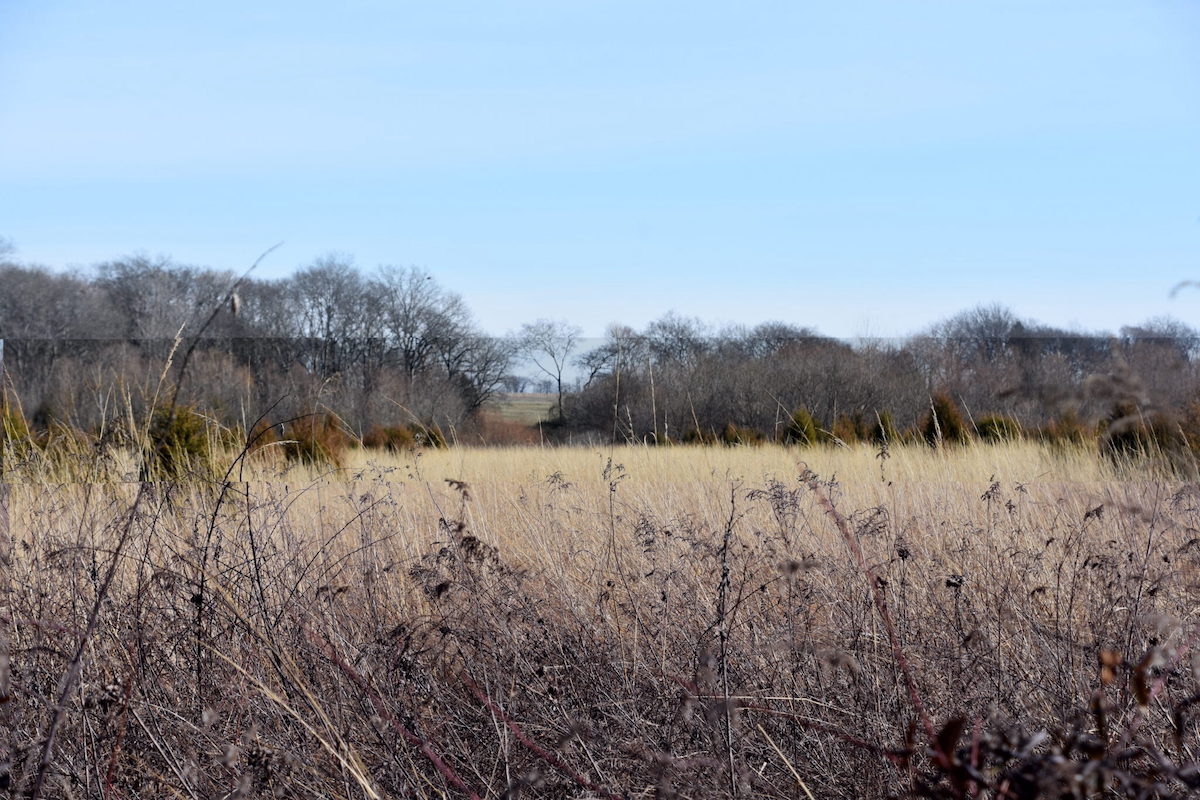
(605, 401)
(984, 620)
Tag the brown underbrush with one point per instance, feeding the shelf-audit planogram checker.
(1002, 621)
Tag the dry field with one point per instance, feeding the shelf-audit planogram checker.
(527, 408)
(1008, 621)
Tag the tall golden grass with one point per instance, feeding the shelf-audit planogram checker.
(1008, 620)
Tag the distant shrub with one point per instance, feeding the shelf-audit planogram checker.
(262, 434)
(316, 439)
(179, 444)
(884, 429)
(851, 428)
(943, 422)
(258, 440)
(698, 436)
(1189, 425)
(397, 438)
(1067, 429)
(394, 438)
(995, 429)
(734, 435)
(1130, 432)
(802, 428)
(429, 436)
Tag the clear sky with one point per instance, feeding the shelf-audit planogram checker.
(861, 167)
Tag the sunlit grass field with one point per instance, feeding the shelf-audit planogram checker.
(619, 622)
(527, 408)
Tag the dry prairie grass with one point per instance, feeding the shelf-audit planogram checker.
(636, 622)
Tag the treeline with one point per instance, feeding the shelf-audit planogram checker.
(983, 372)
(392, 350)
(390, 347)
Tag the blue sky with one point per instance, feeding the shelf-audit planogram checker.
(862, 167)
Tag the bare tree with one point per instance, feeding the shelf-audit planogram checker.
(622, 347)
(676, 339)
(156, 296)
(514, 384)
(549, 344)
(38, 304)
(419, 318)
(335, 308)
(476, 363)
